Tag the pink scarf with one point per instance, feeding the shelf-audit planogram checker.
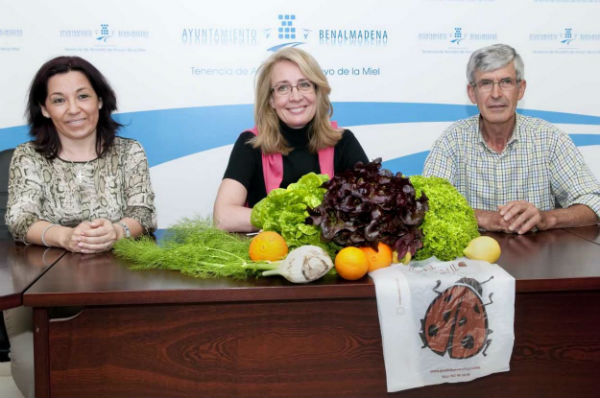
(273, 164)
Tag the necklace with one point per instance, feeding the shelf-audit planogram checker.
(77, 169)
(79, 173)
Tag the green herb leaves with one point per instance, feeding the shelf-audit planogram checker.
(196, 248)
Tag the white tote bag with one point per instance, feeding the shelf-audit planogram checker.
(444, 322)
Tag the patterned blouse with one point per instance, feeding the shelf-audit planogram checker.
(114, 186)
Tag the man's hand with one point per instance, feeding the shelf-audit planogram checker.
(522, 217)
(491, 221)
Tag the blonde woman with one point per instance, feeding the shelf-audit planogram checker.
(293, 136)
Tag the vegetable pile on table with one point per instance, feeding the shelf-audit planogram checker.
(367, 207)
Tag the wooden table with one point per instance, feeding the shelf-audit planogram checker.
(158, 333)
(20, 267)
(590, 233)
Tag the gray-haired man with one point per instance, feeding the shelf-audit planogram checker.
(519, 173)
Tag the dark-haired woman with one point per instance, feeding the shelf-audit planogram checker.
(77, 185)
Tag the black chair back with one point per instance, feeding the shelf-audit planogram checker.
(5, 157)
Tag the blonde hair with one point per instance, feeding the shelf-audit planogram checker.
(269, 139)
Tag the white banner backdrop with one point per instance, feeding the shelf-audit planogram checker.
(184, 72)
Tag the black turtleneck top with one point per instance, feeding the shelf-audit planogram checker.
(245, 162)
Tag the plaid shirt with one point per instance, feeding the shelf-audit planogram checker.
(540, 164)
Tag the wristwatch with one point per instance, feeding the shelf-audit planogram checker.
(126, 229)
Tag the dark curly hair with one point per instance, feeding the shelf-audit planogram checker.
(42, 129)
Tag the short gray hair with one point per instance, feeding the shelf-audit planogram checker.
(494, 57)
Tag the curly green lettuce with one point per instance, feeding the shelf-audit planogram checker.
(285, 210)
(450, 222)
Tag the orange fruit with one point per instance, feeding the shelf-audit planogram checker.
(351, 263)
(382, 257)
(267, 246)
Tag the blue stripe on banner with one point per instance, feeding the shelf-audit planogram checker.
(172, 133)
(409, 165)
(364, 113)
(585, 139)
(10, 137)
(560, 117)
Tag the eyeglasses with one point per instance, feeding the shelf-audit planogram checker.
(505, 84)
(303, 86)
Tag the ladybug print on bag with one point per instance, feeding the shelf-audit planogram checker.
(456, 320)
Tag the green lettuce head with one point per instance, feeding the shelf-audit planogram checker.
(284, 211)
(450, 222)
